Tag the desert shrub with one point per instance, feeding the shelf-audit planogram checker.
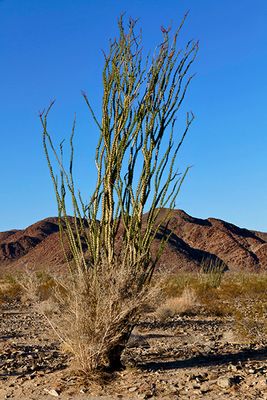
(173, 285)
(35, 286)
(243, 296)
(212, 273)
(173, 306)
(94, 314)
(136, 170)
(10, 290)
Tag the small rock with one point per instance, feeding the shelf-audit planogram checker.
(224, 382)
(132, 389)
(52, 392)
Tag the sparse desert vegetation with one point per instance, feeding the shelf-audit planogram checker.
(193, 341)
(121, 295)
(241, 296)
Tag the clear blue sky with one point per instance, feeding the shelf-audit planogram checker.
(52, 49)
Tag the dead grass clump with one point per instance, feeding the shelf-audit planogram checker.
(177, 305)
(36, 286)
(27, 286)
(175, 284)
(93, 313)
(206, 286)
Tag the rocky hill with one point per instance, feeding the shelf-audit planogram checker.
(192, 241)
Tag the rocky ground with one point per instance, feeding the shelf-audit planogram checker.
(186, 357)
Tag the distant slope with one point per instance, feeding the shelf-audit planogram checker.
(192, 240)
(262, 235)
(239, 248)
(5, 235)
(15, 244)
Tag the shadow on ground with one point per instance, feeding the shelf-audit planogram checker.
(207, 360)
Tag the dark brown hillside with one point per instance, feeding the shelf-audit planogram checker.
(180, 255)
(262, 235)
(192, 240)
(239, 248)
(5, 235)
(15, 244)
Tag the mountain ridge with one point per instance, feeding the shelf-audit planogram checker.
(192, 241)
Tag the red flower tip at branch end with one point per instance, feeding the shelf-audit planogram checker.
(164, 30)
(41, 113)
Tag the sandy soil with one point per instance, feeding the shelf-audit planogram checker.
(187, 357)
